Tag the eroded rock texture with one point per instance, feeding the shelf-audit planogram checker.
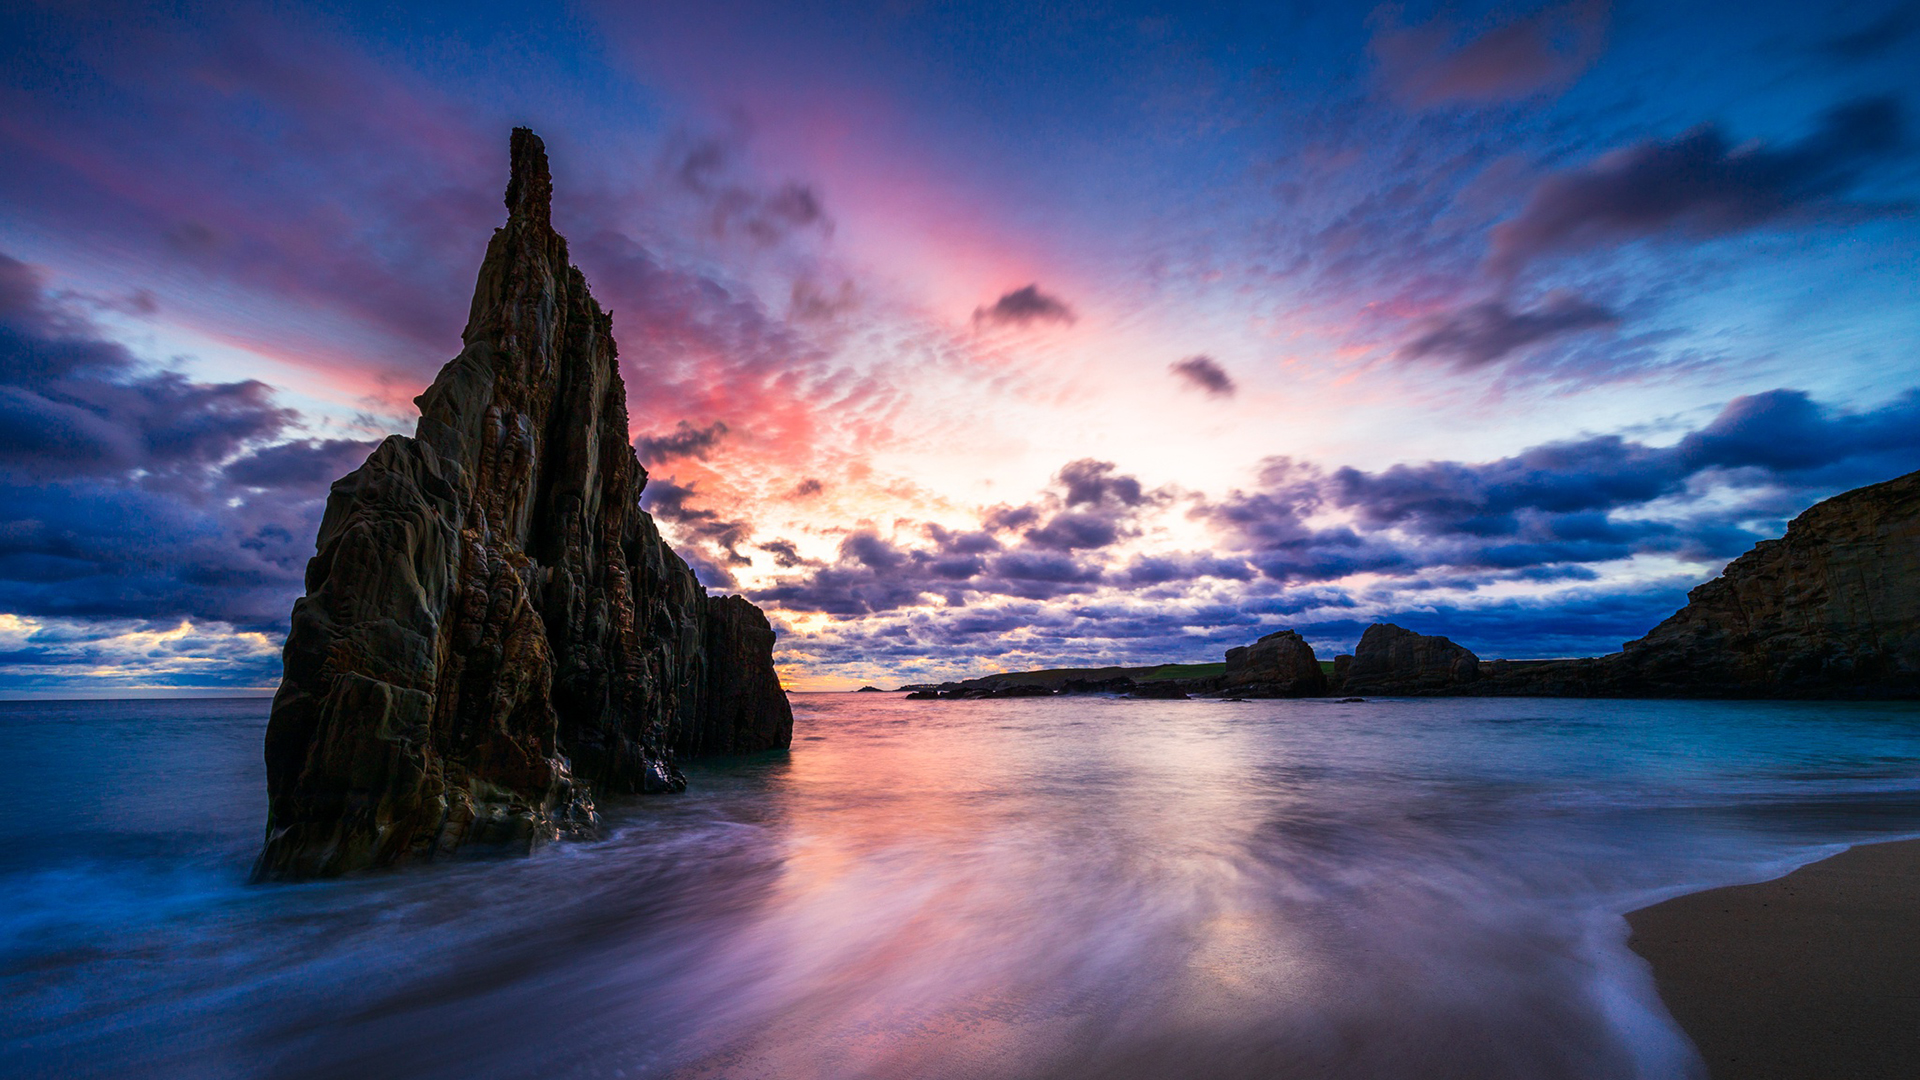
(1832, 607)
(493, 630)
(1280, 664)
(1392, 660)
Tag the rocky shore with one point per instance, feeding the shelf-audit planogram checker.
(1830, 610)
(493, 631)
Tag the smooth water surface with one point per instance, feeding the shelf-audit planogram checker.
(1069, 887)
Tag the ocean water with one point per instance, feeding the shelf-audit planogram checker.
(1072, 887)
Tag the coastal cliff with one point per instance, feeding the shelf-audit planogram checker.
(1831, 609)
(493, 631)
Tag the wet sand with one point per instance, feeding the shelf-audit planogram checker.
(1813, 975)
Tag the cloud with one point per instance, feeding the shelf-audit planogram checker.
(1059, 544)
(133, 493)
(1482, 333)
(1702, 185)
(1204, 373)
(1024, 306)
(301, 462)
(1424, 67)
(73, 404)
(705, 538)
(769, 215)
(100, 656)
(684, 441)
(1565, 504)
(1877, 37)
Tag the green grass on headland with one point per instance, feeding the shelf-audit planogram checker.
(1182, 671)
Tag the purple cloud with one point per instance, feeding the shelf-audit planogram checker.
(684, 441)
(1424, 66)
(1482, 333)
(1701, 184)
(1204, 373)
(1024, 306)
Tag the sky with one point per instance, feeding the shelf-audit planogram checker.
(966, 337)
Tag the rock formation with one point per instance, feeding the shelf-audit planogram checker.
(1278, 665)
(1831, 609)
(493, 630)
(1394, 661)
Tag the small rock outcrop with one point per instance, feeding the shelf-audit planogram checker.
(1279, 665)
(1396, 662)
(493, 632)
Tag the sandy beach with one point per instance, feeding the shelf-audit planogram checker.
(1812, 975)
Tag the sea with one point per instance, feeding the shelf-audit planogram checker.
(1062, 887)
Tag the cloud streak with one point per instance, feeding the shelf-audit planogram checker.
(1702, 185)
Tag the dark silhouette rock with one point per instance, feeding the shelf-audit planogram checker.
(924, 695)
(493, 630)
(744, 708)
(1393, 661)
(1280, 664)
(1119, 685)
(869, 690)
(1160, 690)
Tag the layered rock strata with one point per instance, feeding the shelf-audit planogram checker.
(1280, 664)
(493, 631)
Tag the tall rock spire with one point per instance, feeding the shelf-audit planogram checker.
(493, 630)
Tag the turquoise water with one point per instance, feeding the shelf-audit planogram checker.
(1079, 887)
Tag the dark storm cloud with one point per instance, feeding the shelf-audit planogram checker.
(1702, 184)
(72, 404)
(1023, 306)
(1425, 66)
(1204, 373)
(132, 493)
(684, 441)
(1491, 330)
(302, 462)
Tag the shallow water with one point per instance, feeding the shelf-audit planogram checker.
(1080, 887)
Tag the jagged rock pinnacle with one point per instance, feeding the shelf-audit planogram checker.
(494, 633)
(530, 185)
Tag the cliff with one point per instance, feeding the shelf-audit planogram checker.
(1831, 609)
(493, 631)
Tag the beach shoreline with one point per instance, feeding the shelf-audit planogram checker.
(1815, 974)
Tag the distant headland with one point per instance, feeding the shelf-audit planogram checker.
(1830, 610)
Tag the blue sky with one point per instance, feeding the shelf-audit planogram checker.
(973, 336)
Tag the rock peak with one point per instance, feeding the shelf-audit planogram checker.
(494, 633)
(530, 187)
